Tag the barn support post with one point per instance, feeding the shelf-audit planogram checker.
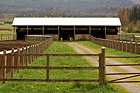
(27, 30)
(12, 33)
(58, 32)
(42, 30)
(105, 32)
(15, 31)
(102, 67)
(74, 33)
(89, 32)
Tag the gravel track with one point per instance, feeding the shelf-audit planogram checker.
(130, 87)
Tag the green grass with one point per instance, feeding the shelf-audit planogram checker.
(5, 32)
(61, 87)
(111, 52)
(136, 34)
(6, 26)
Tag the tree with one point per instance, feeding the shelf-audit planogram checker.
(124, 16)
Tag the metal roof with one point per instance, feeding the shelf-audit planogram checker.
(66, 21)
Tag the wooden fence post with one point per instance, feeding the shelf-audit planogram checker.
(34, 51)
(126, 46)
(104, 42)
(5, 64)
(118, 44)
(109, 43)
(18, 60)
(136, 47)
(47, 69)
(114, 44)
(31, 53)
(1, 37)
(22, 57)
(27, 58)
(131, 46)
(37, 49)
(122, 45)
(12, 62)
(102, 67)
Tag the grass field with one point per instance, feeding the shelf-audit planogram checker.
(5, 32)
(6, 26)
(111, 52)
(35, 87)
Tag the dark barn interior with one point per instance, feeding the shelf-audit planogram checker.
(82, 30)
(66, 32)
(50, 30)
(21, 32)
(98, 32)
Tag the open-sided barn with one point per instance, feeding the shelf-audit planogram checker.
(66, 28)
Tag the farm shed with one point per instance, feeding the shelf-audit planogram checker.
(66, 28)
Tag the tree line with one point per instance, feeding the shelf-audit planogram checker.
(130, 18)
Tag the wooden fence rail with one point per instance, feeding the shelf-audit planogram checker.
(21, 65)
(16, 57)
(47, 67)
(136, 74)
(126, 46)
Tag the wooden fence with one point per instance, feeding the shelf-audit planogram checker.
(22, 64)
(9, 58)
(126, 46)
(32, 53)
(7, 37)
(120, 80)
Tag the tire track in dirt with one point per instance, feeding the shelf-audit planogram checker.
(130, 87)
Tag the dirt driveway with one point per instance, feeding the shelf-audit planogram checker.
(130, 87)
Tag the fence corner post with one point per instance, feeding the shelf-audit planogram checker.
(102, 67)
(18, 63)
(5, 64)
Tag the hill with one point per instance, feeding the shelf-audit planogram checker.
(77, 4)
